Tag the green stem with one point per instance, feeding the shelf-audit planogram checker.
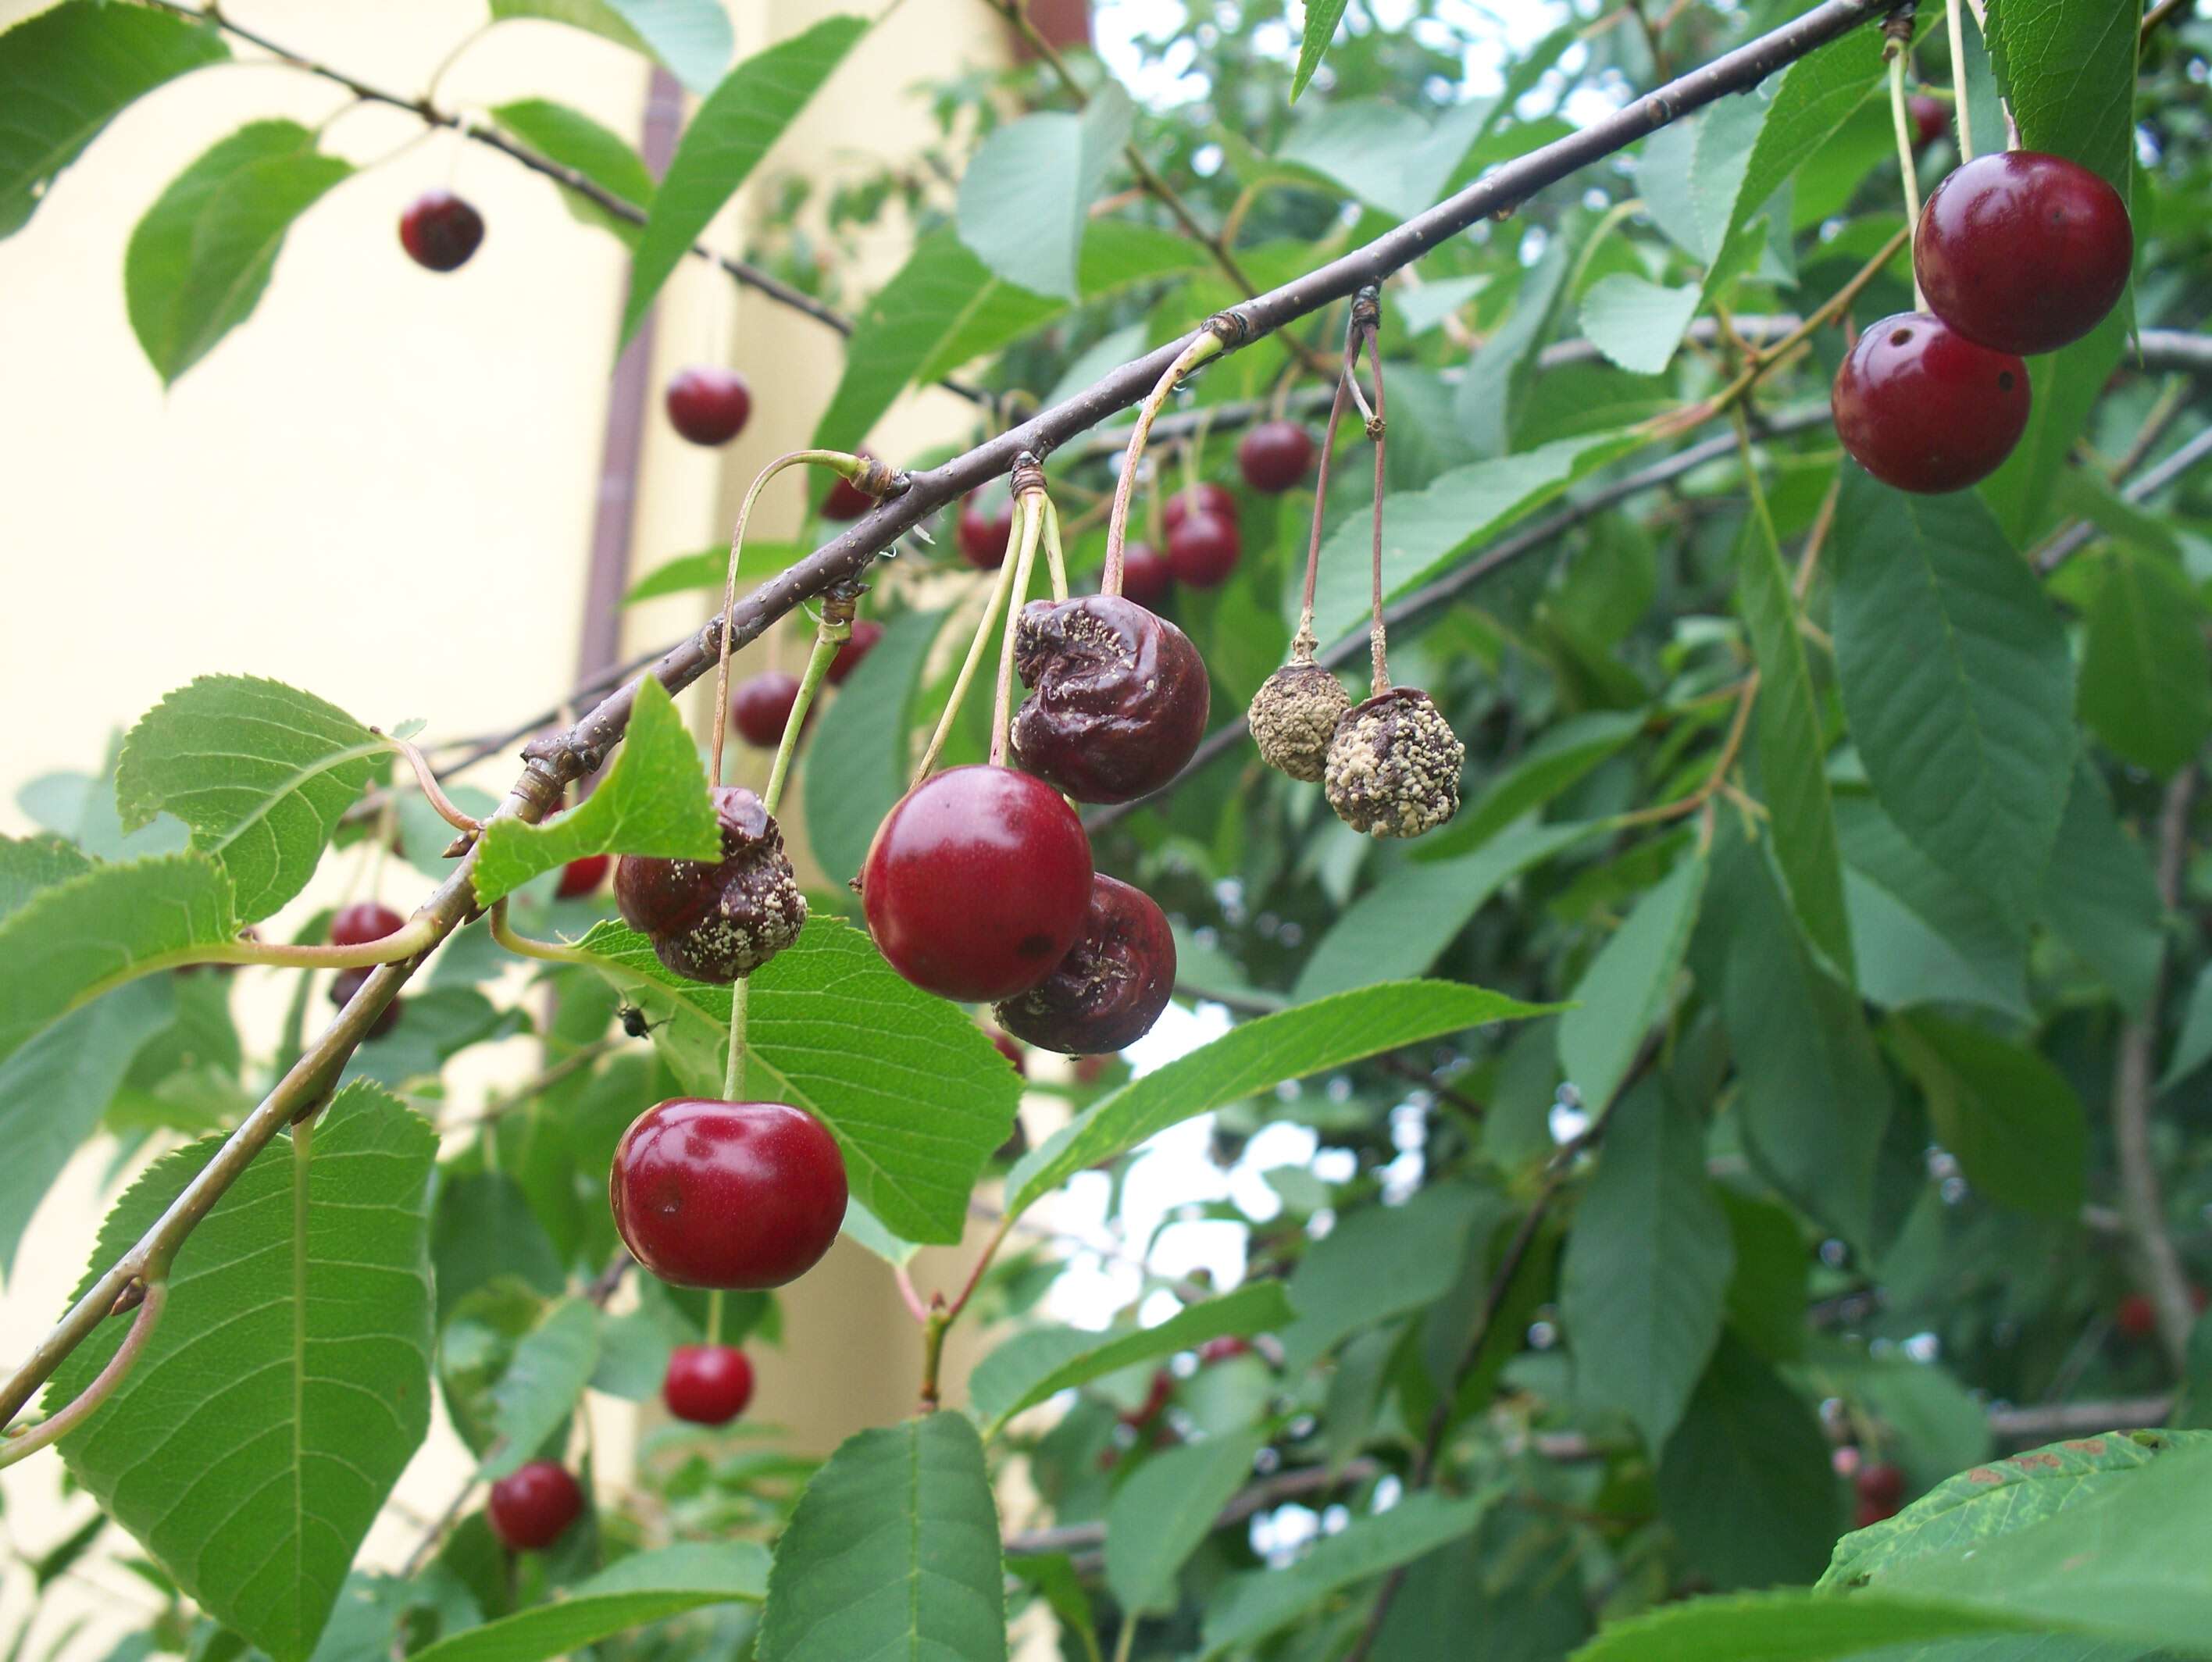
(1957, 28)
(524, 946)
(1207, 345)
(714, 1317)
(1030, 524)
(734, 1070)
(1056, 559)
(1001, 585)
(20, 1444)
(1900, 117)
(827, 639)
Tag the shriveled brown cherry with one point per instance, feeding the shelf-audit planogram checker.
(1204, 497)
(717, 922)
(439, 231)
(708, 403)
(1921, 406)
(2023, 252)
(348, 982)
(865, 633)
(1146, 578)
(1203, 550)
(984, 531)
(706, 1383)
(1275, 455)
(1120, 700)
(532, 1507)
(760, 705)
(364, 921)
(1112, 985)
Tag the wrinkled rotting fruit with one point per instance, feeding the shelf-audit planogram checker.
(1145, 575)
(760, 706)
(708, 403)
(717, 922)
(1293, 717)
(1203, 550)
(865, 633)
(1921, 406)
(532, 1507)
(706, 1383)
(364, 921)
(1112, 985)
(1275, 455)
(740, 1195)
(1393, 767)
(348, 982)
(1204, 497)
(984, 532)
(977, 884)
(1120, 699)
(2023, 252)
(439, 231)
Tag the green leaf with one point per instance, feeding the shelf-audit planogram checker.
(1255, 1057)
(574, 140)
(1800, 1627)
(2010, 1117)
(201, 256)
(1559, 758)
(441, 1022)
(2098, 895)
(859, 762)
(253, 1467)
(1647, 1266)
(643, 1588)
(2146, 676)
(485, 1229)
(708, 570)
(1627, 986)
(1025, 199)
(1637, 322)
(1766, 1295)
(260, 771)
(915, 1094)
(2068, 74)
(723, 142)
(1321, 19)
(1041, 1361)
(691, 37)
(653, 801)
(1156, 1519)
(1936, 1425)
(29, 865)
(2191, 1050)
(1383, 1261)
(551, 1366)
(1958, 682)
(894, 1549)
(2063, 389)
(1919, 937)
(1496, 383)
(66, 73)
(1692, 172)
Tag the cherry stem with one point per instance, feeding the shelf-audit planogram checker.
(428, 780)
(1030, 524)
(734, 1070)
(418, 935)
(1301, 644)
(1056, 558)
(1900, 117)
(1367, 305)
(834, 631)
(1001, 585)
(914, 1307)
(714, 1317)
(20, 1444)
(523, 946)
(1205, 345)
(940, 1318)
(1957, 28)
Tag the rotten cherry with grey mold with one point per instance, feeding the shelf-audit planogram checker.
(760, 705)
(1921, 406)
(706, 1383)
(708, 403)
(1112, 985)
(739, 1196)
(439, 231)
(1293, 718)
(977, 884)
(716, 922)
(984, 530)
(1274, 456)
(532, 1507)
(1120, 699)
(1145, 575)
(1393, 766)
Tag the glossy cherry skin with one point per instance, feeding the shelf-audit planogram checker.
(1146, 578)
(846, 499)
(580, 878)
(439, 231)
(977, 884)
(1922, 408)
(865, 634)
(1203, 550)
(2023, 252)
(362, 922)
(1121, 697)
(760, 706)
(706, 1383)
(1275, 455)
(1112, 985)
(1204, 497)
(708, 403)
(733, 1195)
(533, 1507)
(1931, 119)
(983, 531)
(346, 983)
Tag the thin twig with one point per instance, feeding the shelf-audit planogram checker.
(427, 779)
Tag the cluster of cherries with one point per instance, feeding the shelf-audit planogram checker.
(2017, 253)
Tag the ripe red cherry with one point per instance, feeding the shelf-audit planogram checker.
(1204, 497)
(533, 1507)
(1922, 408)
(708, 403)
(761, 705)
(1202, 549)
(2022, 251)
(1275, 455)
(362, 922)
(706, 1383)
(865, 633)
(977, 884)
(1881, 1484)
(580, 878)
(1145, 574)
(2137, 1317)
(1932, 119)
(439, 231)
(984, 531)
(846, 499)
(734, 1195)
(1112, 985)
(346, 983)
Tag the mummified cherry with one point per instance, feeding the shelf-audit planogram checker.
(735, 1195)
(1203, 550)
(1393, 767)
(1921, 406)
(1204, 497)
(760, 706)
(715, 923)
(706, 1383)
(534, 1507)
(864, 636)
(708, 403)
(1112, 985)
(439, 231)
(362, 922)
(2021, 252)
(1275, 455)
(1145, 575)
(977, 884)
(1932, 119)
(984, 531)
(1121, 697)
(348, 982)
(580, 878)
(846, 499)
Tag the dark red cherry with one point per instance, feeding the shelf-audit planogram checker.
(1275, 455)
(865, 633)
(1922, 408)
(1202, 550)
(706, 1383)
(708, 403)
(1223, 1348)
(715, 922)
(977, 884)
(534, 1507)
(362, 922)
(2137, 1317)
(984, 531)
(1016, 1057)
(1112, 985)
(581, 877)
(846, 499)
(1145, 575)
(440, 231)
(1882, 1483)
(1121, 696)
(1931, 119)
(348, 982)
(1204, 497)
(2022, 251)
(735, 1195)
(760, 706)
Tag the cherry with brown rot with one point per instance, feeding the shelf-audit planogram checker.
(348, 982)
(1120, 699)
(706, 1383)
(1112, 985)
(1204, 497)
(1921, 406)
(1931, 119)
(2023, 252)
(846, 499)
(865, 633)
(984, 530)
(715, 922)
(1274, 456)
(977, 884)
(740, 1195)
(364, 921)
(760, 706)
(708, 403)
(1146, 578)
(534, 1507)
(1203, 549)
(583, 877)
(439, 231)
